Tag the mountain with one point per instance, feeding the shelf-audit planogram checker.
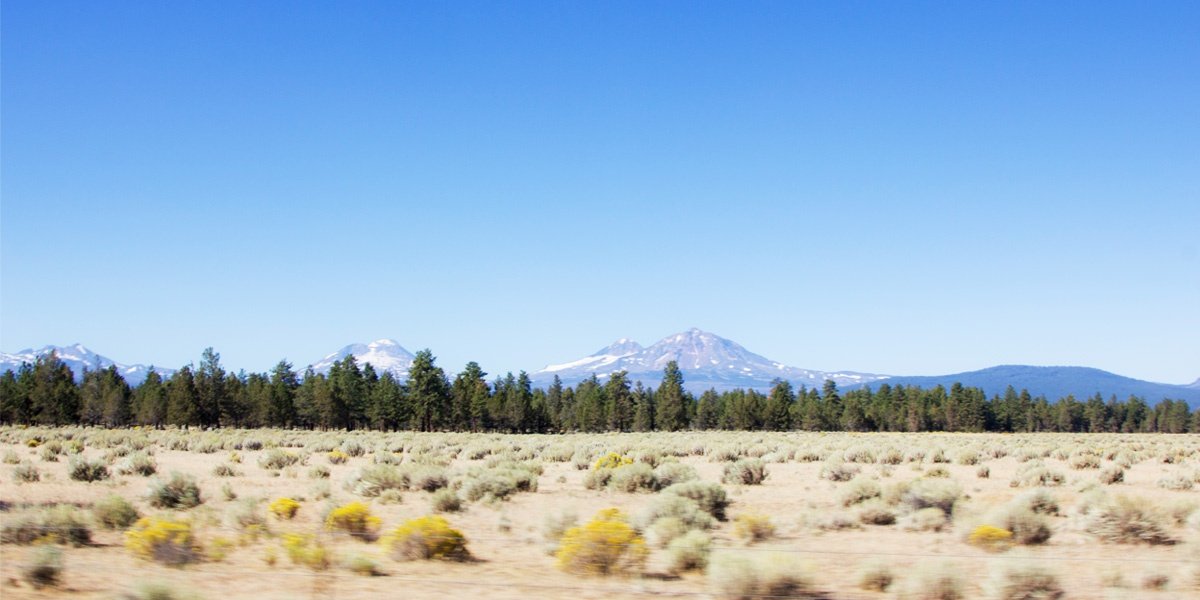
(78, 357)
(383, 355)
(706, 360)
(1058, 382)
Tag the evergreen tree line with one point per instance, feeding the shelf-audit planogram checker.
(353, 397)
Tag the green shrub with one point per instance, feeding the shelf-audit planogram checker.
(363, 565)
(1123, 520)
(499, 483)
(860, 490)
(838, 471)
(931, 493)
(1112, 474)
(760, 575)
(1036, 474)
(446, 500)
(276, 459)
(225, 470)
(139, 463)
(710, 497)
(1024, 582)
(689, 552)
(748, 471)
(937, 582)
(426, 538)
(56, 525)
(876, 576)
(635, 477)
(26, 473)
(82, 469)
(670, 473)
(876, 513)
(178, 491)
(926, 519)
(373, 480)
(114, 512)
(45, 568)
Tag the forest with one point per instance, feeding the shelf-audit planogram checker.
(350, 397)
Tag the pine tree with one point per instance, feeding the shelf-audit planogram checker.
(281, 410)
(643, 412)
(428, 390)
(671, 408)
(709, 412)
(618, 402)
(469, 397)
(182, 403)
(14, 395)
(387, 408)
(150, 400)
(777, 416)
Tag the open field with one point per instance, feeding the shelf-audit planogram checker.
(804, 515)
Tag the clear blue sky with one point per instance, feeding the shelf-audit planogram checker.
(900, 188)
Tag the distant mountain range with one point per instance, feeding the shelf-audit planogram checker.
(78, 357)
(1059, 382)
(707, 361)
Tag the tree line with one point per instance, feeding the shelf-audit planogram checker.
(46, 392)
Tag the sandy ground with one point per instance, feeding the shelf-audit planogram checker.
(510, 555)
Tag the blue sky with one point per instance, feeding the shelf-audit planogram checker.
(902, 188)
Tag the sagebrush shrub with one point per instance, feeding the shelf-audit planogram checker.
(276, 459)
(606, 545)
(26, 473)
(426, 538)
(931, 493)
(178, 491)
(1024, 582)
(710, 497)
(670, 473)
(164, 540)
(445, 500)
(750, 527)
(114, 512)
(936, 582)
(1123, 520)
(860, 490)
(56, 525)
(45, 568)
(876, 576)
(82, 469)
(689, 552)
(747, 471)
(760, 575)
(635, 477)
(138, 463)
(1112, 474)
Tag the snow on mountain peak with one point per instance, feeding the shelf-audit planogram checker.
(78, 358)
(706, 359)
(384, 354)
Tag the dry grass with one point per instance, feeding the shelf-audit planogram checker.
(850, 513)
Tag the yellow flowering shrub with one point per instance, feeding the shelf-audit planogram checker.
(164, 540)
(991, 538)
(338, 457)
(751, 528)
(306, 550)
(611, 460)
(284, 508)
(426, 538)
(355, 519)
(606, 545)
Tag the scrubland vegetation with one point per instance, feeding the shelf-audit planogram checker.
(271, 513)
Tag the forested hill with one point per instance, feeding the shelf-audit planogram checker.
(1056, 382)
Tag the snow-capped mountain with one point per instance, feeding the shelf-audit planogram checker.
(706, 360)
(78, 357)
(383, 355)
